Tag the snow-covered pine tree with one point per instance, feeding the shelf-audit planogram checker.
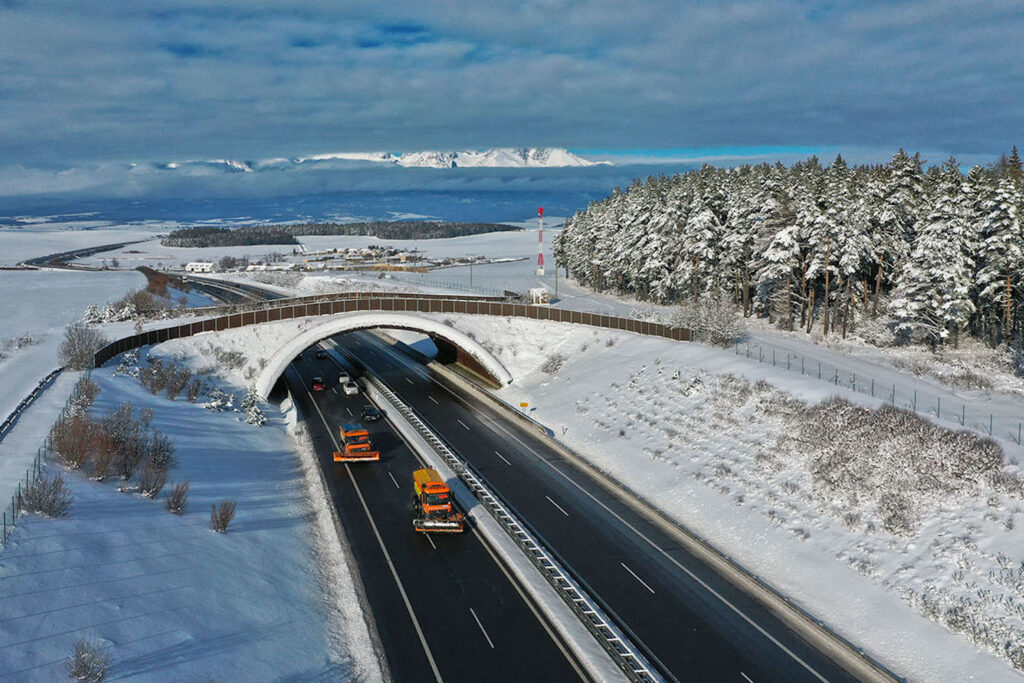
(932, 300)
(1002, 256)
(901, 202)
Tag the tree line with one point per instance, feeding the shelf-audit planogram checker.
(934, 252)
(286, 234)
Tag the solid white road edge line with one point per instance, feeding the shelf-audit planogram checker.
(395, 481)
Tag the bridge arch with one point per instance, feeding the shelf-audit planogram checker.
(469, 349)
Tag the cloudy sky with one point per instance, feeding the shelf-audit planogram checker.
(83, 84)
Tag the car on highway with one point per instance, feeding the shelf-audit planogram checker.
(370, 414)
(319, 384)
(350, 388)
(344, 377)
(321, 353)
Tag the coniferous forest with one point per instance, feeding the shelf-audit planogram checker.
(933, 253)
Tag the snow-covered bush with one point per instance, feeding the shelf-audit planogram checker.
(48, 496)
(714, 321)
(219, 400)
(220, 517)
(251, 407)
(129, 364)
(89, 661)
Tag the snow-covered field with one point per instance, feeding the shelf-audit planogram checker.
(49, 238)
(165, 595)
(37, 304)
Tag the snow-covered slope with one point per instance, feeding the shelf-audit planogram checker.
(548, 157)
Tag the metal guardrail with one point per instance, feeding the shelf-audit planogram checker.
(8, 423)
(622, 651)
(9, 516)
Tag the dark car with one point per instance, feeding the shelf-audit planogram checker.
(318, 384)
(321, 353)
(371, 414)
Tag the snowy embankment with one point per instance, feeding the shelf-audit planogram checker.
(167, 597)
(709, 437)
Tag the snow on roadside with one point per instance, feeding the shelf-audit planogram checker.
(688, 427)
(168, 597)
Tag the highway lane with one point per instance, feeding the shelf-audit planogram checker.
(444, 609)
(690, 619)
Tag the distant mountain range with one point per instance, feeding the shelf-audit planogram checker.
(548, 157)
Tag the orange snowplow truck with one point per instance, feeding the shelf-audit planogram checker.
(356, 444)
(434, 505)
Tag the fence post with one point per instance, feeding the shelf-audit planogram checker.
(872, 387)
(1018, 433)
(853, 381)
(915, 400)
(787, 361)
(938, 407)
(760, 355)
(773, 358)
(893, 399)
(801, 365)
(990, 424)
(963, 414)
(835, 379)
(819, 369)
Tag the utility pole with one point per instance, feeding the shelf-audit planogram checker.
(540, 241)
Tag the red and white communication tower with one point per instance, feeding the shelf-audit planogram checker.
(540, 241)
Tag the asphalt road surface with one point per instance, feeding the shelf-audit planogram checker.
(689, 619)
(443, 606)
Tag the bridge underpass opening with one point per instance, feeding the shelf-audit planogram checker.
(453, 346)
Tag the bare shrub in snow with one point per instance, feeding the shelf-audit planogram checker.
(89, 661)
(220, 517)
(71, 441)
(896, 460)
(151, 480)
(232, 360)
(158, 450)
(195, 388)
(80, 345)
(177, 379)
(177, 501)
(553, 363)
(48, 496)
(85, 393)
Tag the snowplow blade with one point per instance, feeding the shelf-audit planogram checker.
(455, 525)
(363, 456)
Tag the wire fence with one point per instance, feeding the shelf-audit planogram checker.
(956, 413)
(36, 471)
